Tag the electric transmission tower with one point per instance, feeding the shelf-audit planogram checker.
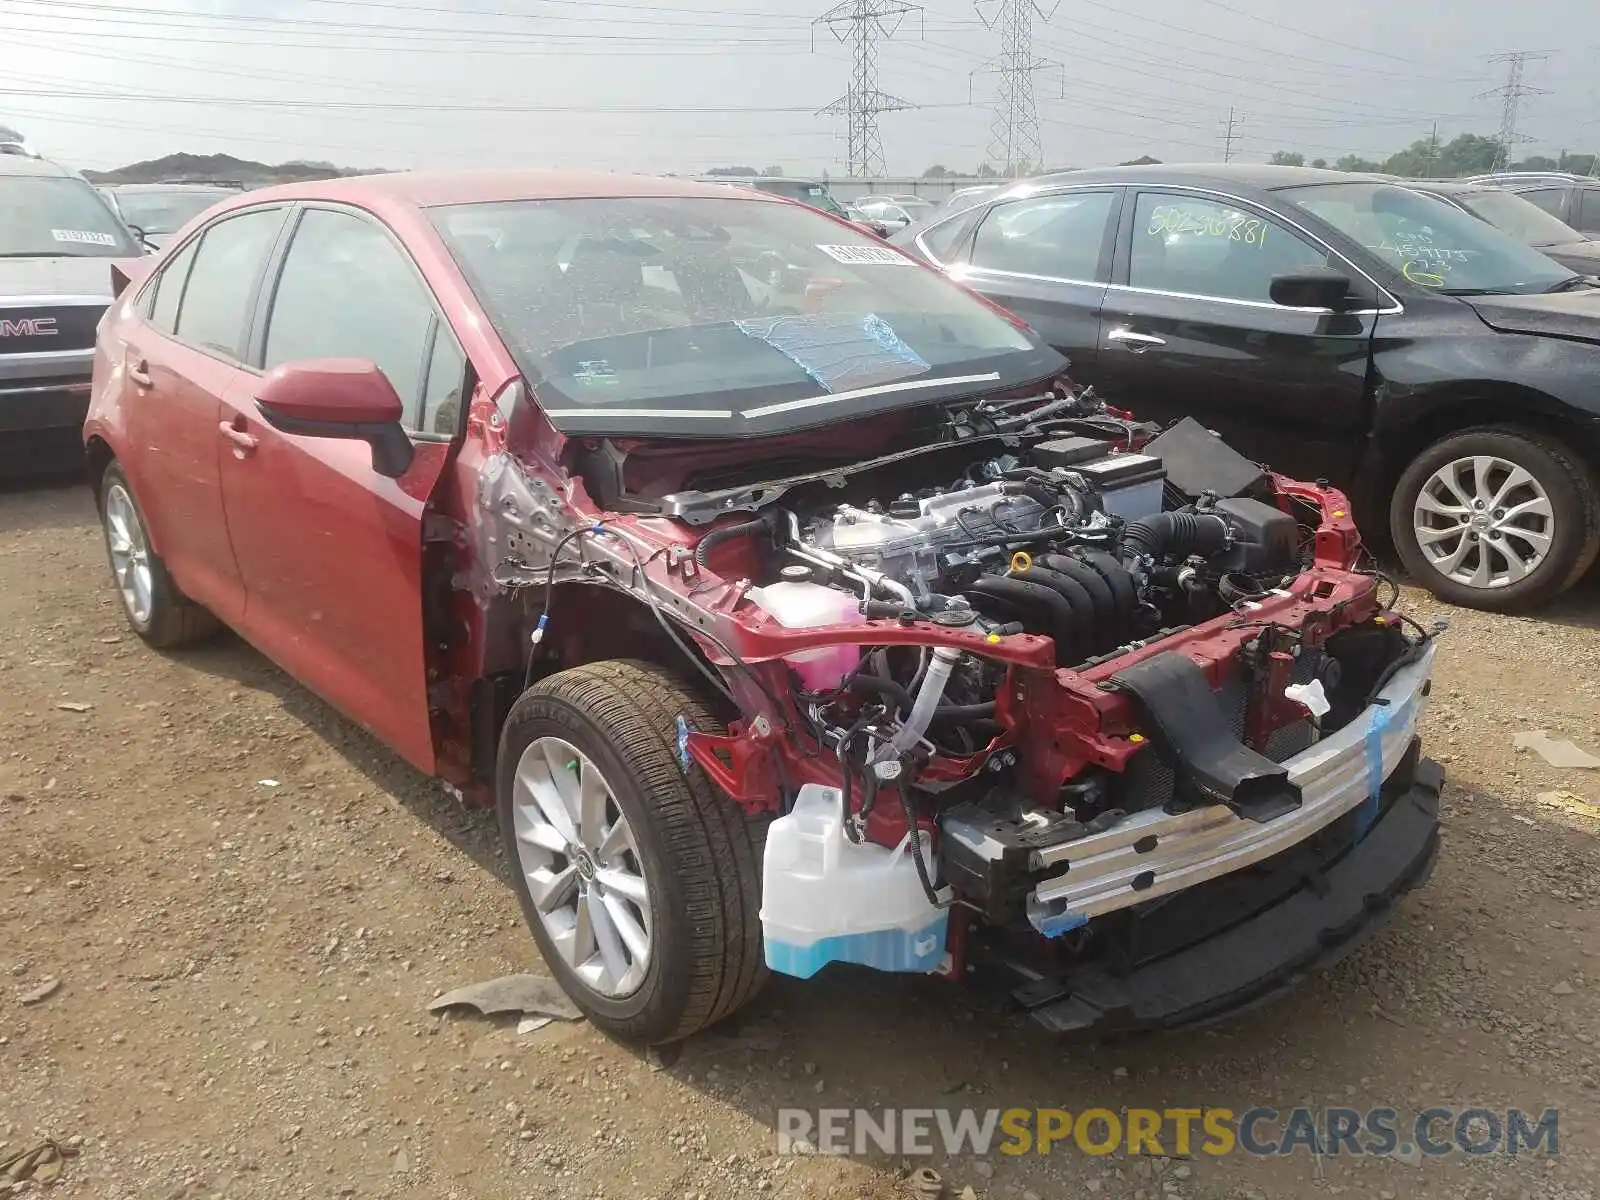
(863, 23)
(1230, 134)
(1511, 93)
(1014, 130)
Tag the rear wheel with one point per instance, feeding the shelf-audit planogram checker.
(1496, 518)
(639, 880)
(156, 610)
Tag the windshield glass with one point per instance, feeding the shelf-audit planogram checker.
(814, 194)
(165, 212)
(43, 216)
(1432, 245)
(1526, 222)
(716, 317)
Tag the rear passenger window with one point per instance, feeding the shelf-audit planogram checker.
(348, 291)
(168, 290)
(222, 280)
(1548, 199)
(1059, 236)
(1588, 218)
(945, 241)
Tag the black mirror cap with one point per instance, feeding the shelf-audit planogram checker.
(1318, 288)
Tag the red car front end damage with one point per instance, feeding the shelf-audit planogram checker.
(1072, 767)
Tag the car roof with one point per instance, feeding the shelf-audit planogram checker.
(1533, 177)
(1451, 187)
(27, 164)
(429, 189)
(747, 180)
(171, 187)
(1253, 175)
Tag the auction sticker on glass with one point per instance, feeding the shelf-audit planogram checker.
(866, 256)
(87, 237)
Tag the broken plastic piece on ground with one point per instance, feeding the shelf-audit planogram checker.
(533, 995)
(1569, 802)
(267, 783)
(75, 706)
(925, 1183)
(43, 992)
(532, 1025)
(1560, 754)
(41, 1162)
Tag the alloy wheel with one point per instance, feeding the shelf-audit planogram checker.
(582, 865)
(130, 554)
(1483, 521)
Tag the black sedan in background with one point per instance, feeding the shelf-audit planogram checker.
(1516, 217)
(1335, 326)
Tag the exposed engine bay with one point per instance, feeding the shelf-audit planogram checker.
(1044, 667)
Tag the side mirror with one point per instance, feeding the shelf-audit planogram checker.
(1312, 289)
(339, 398)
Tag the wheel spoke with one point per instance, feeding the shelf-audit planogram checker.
(1482, 473)
(1454, 559)
(628, 927)
(1516, 568)
(561, 765)
(552, 890)
(1517, 478)
(624, 883)
(617, 839)
(612, 953)
(1538, 542)
(593, 799)
(538, 833)
(1430, 537)
(533, 787)
(1481, 576)
(1428, 502)
(1539, 507)
(1447, 478)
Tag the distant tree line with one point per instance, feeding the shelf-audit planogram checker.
(1464, 154)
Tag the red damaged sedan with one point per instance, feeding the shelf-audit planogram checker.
(784, 621)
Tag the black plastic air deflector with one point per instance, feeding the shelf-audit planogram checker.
(1191, 729)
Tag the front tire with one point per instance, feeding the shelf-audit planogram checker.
(1496, 518)
(156, 610)
(639, 880)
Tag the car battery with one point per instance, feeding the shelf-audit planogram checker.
(1130, 485)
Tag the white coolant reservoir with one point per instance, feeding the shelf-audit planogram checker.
(826, 899)
(804, 605)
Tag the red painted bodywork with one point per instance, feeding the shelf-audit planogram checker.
(323, 564)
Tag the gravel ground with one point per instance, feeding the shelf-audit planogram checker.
(244, 968)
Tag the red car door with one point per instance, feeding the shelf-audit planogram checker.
(330, 551)
(177, 363)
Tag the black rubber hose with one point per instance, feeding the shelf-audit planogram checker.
(1176, 535)
(946, 713)
(1047, 605)
(1124, 596)
(702, 552)
(1073, 592)
(868, 682)
(914, 831)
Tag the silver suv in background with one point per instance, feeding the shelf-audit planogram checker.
(1574, 199)
(58, 238)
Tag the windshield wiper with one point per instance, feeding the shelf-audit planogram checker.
(1569, 284)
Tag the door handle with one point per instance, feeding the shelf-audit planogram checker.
(244, 442)
(139, 372)
(1137, 343)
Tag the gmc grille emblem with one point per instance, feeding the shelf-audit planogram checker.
(28, 327)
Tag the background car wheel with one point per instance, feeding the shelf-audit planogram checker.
(639, 880)
(157, 611)
(1496, 518)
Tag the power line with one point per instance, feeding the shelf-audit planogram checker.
(1511, 93)
(863, 23)
(1014, 144)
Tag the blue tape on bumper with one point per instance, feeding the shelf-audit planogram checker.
(1383, 715)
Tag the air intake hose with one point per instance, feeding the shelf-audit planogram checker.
(702, 552)
(1176, 535)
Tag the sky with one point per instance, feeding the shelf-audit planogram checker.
(684, 85)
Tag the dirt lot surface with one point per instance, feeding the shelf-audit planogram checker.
(243, 968)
